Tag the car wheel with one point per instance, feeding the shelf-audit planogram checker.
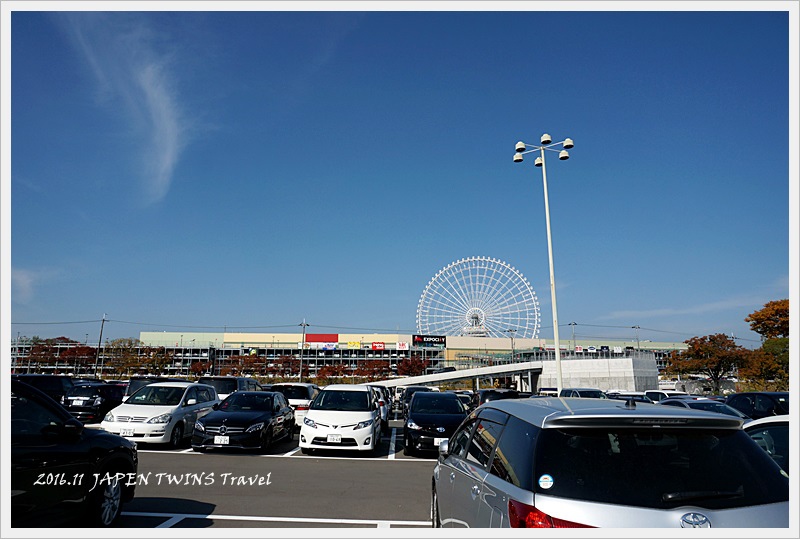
(435, 519)
(199, 449)
(106, 501)
(176, 437)
(266, 440)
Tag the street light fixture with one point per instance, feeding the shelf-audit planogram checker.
(521, 149)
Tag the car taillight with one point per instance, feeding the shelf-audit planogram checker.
(302, 407)
(522, 515)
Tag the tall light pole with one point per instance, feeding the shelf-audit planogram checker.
(521, 149)
(511, 333)
(302, 350)
(574, 344)
(637, 336)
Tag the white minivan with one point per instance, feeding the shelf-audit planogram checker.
(342, 416)
(161, 413)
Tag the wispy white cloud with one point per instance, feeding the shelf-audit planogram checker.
(702, 308)
(134, 71)
(24, 283)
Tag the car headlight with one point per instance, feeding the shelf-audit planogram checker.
(364, 424)
(198, 426)
(163, 418)
(413, 426)
(309, 422)
(255, 427)
(109, 417)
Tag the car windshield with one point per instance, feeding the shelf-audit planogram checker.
(436, 405)
(84, 391)
(247, 402)
(344, 401)
(151, 395)
(293, 392)
(592, 394)
(226, 387)
(710, 468)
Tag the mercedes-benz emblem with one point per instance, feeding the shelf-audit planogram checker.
(695, 520)
(223, 429)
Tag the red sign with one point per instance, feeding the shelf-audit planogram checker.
(378, 346)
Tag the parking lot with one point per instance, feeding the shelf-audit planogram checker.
(282, 488)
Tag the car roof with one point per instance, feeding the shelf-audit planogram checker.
(347, 387)
(301, 384)
(769, 420)
(563, 412)
(175, 384)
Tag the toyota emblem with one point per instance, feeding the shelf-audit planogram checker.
(695, 520)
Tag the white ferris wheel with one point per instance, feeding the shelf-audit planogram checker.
(479, 296)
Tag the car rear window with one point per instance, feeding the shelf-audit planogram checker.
(293, 392)
(84, 391)
(663, 469)
(226, 387)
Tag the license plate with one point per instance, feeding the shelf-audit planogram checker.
(126, 432)
(334, 438)
(221, 440)
(437, 441)
(79, 402)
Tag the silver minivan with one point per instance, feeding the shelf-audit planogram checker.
(573, 462)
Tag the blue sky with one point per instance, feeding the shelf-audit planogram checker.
(251, 169)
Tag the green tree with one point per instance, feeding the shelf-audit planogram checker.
(714, 356)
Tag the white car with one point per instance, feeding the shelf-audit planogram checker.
(342, 416)
(772, 435)
(161, 413)
(299, 395)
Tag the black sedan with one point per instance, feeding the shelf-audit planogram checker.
(61, 471)
(245, 420)
(432, 417)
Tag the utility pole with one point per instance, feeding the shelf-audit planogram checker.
(99, 342)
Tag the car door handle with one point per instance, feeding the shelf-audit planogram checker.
(452, 477)
(475, 491)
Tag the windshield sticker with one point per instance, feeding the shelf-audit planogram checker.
(546, 481)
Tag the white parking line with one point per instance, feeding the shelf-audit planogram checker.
(391, 444)
(174, 518)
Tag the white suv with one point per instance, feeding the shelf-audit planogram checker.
(161, 413)
(343, 416)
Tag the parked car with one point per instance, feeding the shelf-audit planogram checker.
(342, 416)
(553, 462)
(225, 385)
(408, 393)
(432, 418)
(90, 402)
(637, 396)
(137, 382)
(161, 413)
(772, 435)
(299, 395)
(582, 393)
(758, 404)
(245, 420)
(56, 386)
(659, 394)
(702, 403)
(55, 462)
(486, 395)
(381, 395)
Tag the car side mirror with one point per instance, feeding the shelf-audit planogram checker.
(191, 402)
(215, 406)
(444, 448)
